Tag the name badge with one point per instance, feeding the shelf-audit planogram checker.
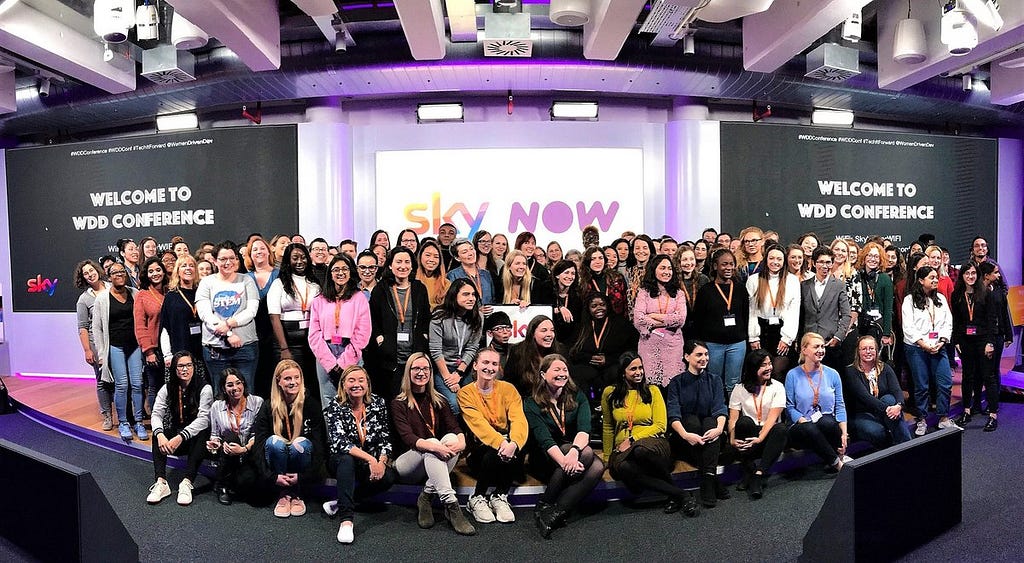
(729, 320)
(933, 335)
(816, 416)
(303, 325)
(336, 339)
(403, 336)
(971, 330)
(195, 328)
(774, 321)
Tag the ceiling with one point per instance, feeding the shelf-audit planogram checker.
(283, 53)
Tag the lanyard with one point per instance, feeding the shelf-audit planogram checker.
(360, 428)
(304, 300)
(598, 335)
(187, 302)
(429, 423)
(931, 312)
(181, 406)
(872, 377)
(810, 381)
(565, 301)
(630, 413)
(238, 417)
(475, 280)
(728, 300)
(560, 424)
(402, 307)
(970, 306)
(664, 306)
(156, 295)
(598, 288)
(759, 404)
(337, 316)
(773, 297)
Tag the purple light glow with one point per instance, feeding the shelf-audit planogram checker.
(29, 375)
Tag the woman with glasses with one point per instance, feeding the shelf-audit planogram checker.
(113, 331)
(409, 239)
(483, 243)
(749, 255)
(227, 303)
(181, 425)
(339, 326)
(367, 268)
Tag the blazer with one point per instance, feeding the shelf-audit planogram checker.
(384, 322)
(829, 316)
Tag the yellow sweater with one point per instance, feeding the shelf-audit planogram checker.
(649, 419)
(496, 416)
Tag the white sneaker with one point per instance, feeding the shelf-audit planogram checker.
(346, 532)
(158, 492)
(847, 459)
(184, 492)
(502, 509)
(480, 509)
(330, 507)
(921, 428)
(947, 423)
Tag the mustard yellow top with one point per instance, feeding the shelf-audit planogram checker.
(493, 417)
(649, 419)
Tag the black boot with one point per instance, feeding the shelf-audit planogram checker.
(755, 486)
(707, 491)
(223, 496)
(690, 506)
(748, 470)
(721, 492)
(549, 517)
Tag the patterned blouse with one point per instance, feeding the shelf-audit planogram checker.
(371, 434)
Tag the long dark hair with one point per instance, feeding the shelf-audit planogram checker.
(285, 270)
(222, 393)
(144, 282)
(183, 404)
(751, 365)
(431, 243)
(631, 259)
(450, 309)
(763, 275)
(491, 266)
(388, 277)
(622, 387)
(329, 291)
(650, 281)
(373, 239)
(527, 351)
(917, 293)
(586, 326)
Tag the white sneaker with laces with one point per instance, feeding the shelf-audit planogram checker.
(947, 423)
(159, 491)
(185, 492)
(480, 509)
(921, 428)
(502, 509)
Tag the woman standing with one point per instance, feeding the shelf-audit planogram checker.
(633, 436)
(499, 248)
(493, 412)
(263, 272)
(1003, 331)
(181, 425)
(559, 418)
(465, 253)
(430, 441)
(400, 317)
(409, 239)
(120, 359)
(795, 261)
(700, 254)
(526, 243)
(180, 327)
(483, 243)
(360, 444)
(640, 251)
(722, 313)
(455, 334)
(927, 328)
(554, 252)
(339, 326)
(774, 310)
(289, 430)
(87, 277)
(875, 318)
(129, 252)
(658, 315)
(517, 283)
(227, 303)
(596, 277)
(149, 248)
(565, 301)
(148, 302)
(808, 242)
(603, 337)
(431, 273)
(814, 401)
(231, 437)
(874, 398)
(380, 238)
(366, 265)
(755, 421)
(288, 303)
(690, 281)
(750, 255)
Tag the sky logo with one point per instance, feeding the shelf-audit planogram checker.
(42, 285)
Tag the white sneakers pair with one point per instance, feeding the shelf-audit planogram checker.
(161, 490)
(486, 510)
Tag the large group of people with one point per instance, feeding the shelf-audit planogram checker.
(288, 361)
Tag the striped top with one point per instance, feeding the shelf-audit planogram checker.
(221, 420)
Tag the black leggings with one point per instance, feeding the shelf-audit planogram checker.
(643, 469)
(767, 452)
(194, 448)
(567, 491)
(704, 456)
(822, 437)
(491, 471)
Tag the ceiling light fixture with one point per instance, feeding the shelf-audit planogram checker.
(177, 122)
(832, 117)
(434, 113)
(852, 27)
(113, 18)
(909, 45)
(574, 111)
(986, 11)
(959, 30)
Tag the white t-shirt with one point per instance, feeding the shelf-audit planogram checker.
(292, 308)
(773, 396)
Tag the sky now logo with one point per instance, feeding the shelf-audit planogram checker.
(42, 285)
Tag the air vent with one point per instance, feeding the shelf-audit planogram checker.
(832, 63)
(167, 65)
(508, 48)
(507, 35)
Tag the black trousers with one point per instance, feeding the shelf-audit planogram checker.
(823, 437)
(491, 471)
(979, 371)
(567, 491)
(766, 453)
(704, 456)
(194, 448)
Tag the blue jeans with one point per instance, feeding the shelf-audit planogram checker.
(441, 387)
(880, 430)
(283, 457)
(328, 390)
(104, 389)
(926, 367)
(127, 371)
(243, 359)
(726, 361)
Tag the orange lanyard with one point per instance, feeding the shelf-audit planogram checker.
(475, 280)
(728, 300)
(598, 288)
(237, 416)
(686, 292)
(404, 306)
(429, 423)
(560, 424)
(759, 403)
(598, 335)
(565, 301)
(187, 302)
(630, 413)
(360, 428)
(931, 312)
(157, 295)
(772, 296)
(663, 306)
(304, 300)
(810, 381)
(337, 316)
(181, 406)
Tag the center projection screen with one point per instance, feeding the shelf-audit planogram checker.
(844, 183)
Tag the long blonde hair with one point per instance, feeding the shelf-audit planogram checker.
(507, 281)
(406, 393)
(280, 408)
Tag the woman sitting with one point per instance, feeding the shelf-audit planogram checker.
(432, 441)
(493, 412)
(231, 437)
(696, 414)
(181, 424)
(289, 431)
(560, 453)
(634, 441)
(874, 398)
(360, 445)
(755, 425)
(814, 401)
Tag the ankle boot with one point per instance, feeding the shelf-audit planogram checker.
(549, 517)
(755, 486)
(425, 516)
(458, 520)
(707, 491)
(690, 507)
(721, 492)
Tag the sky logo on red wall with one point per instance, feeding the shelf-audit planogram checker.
(42, 285)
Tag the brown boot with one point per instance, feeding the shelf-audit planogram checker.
(425, 518)
(458, 520)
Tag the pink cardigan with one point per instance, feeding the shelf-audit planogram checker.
(353, 323)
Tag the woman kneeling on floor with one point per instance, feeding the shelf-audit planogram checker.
(289, 439)
(432, 440)
(181, 424)
(560, 453)
(360, 445)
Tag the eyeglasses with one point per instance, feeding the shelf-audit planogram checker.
(366, 268)
(419, 369)
(339, 270)
(228, 259)
(183, 367)
(502, 328)
(824, 262)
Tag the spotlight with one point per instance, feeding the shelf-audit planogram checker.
(44, 87)
(852, 27)
(340, 41)
(147, 22)
(968, 81)
(113, 18)
(959, 32)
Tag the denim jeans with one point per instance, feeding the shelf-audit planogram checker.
(441, 387)
(127, 371)
(926, 367)
(104, 389)
(243, 359)
(328, 390)
(283, 457)
(154, 379)
(726, 361)
(880, 430)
